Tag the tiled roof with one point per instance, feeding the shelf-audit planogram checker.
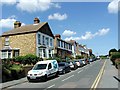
(25, 29)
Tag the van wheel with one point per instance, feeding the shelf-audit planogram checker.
(56, 74)
(45, 78)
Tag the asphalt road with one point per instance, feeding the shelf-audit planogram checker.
(79, 78)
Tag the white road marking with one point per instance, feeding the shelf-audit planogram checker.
(51, 86)
(80, 71)
(67, 78)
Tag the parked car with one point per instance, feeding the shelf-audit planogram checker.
(84, 63)
(64, 67)
(91, 60)
(87, 61)
(98, 58)
(81, 63)
(77, 62)
(72, 65)
(42, 70)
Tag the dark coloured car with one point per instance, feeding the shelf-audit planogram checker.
(64, 67)
(73, 65)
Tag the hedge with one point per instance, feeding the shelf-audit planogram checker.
(114, 57)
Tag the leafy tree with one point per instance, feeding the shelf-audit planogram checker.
(111, 51)
(114, 57)
(119, 50)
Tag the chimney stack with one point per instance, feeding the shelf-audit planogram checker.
(58, 36)
(36, 20)
(17, 24)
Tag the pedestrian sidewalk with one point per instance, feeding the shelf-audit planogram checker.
(110, 77)
(14, 82)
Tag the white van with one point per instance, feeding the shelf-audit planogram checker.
(42, 70)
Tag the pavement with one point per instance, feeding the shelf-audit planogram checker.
(109, 79)
(14, 82)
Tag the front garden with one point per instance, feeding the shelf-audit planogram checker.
(17, 67)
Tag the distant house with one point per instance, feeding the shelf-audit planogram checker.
(62, 48)
(35, 39)
(74, 47)
(84, 50)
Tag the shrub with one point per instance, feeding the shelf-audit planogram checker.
(117, 63)
(16, 71)
(31, 59)
(114, 57)
(19, 59)
(79, 57)
(28, 59)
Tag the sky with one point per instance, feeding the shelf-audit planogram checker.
(94, 24)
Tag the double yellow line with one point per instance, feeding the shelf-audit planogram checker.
(97, 80)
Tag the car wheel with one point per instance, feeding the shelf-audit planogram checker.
(63, 71)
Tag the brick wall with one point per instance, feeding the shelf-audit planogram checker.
(25, 42)
(2, 39)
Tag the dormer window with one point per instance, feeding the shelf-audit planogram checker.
(7, 41)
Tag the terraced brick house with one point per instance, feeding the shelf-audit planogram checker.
(84, 50)
(74, 47)
(62, 48)
(34, 39)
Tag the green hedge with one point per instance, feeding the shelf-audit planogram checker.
(79, 57)
(114, 57)
(28, 59)
(11, 71)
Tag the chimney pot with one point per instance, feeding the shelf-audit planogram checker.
(58, 36)
(36, 20)
(17, 24)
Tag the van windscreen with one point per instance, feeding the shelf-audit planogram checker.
(39, 66)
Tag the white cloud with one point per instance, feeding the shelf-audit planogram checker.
(31, 5)
(89, 35)
(56, 5)
(102, 32)
(68, 33)
(72, 38)
(57, 16)
(113, 6)
(8, 2)
(8, 23)
(36, 5)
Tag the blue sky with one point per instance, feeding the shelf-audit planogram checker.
(94, 24)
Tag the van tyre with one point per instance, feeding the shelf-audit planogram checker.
(56, 74)
(45, 78)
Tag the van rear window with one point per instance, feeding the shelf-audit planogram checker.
(39, 66)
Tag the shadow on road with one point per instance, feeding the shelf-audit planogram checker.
(38, 81)
(117, 78)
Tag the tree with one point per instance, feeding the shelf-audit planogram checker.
(119, 50)
(111, 51)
